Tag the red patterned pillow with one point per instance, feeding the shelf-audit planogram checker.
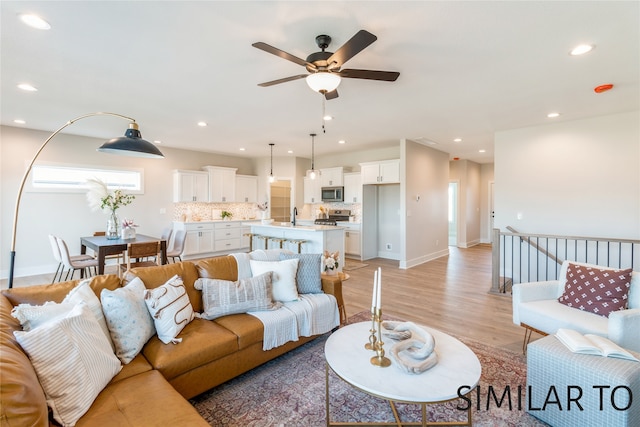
(598, 290)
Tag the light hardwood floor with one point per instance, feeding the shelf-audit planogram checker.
(449, 294)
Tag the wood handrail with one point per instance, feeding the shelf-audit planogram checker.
(536, 246)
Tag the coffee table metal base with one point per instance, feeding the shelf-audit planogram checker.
(398, 422)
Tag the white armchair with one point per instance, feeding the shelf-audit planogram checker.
(536, 308)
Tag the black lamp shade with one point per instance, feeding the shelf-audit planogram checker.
(131, 144)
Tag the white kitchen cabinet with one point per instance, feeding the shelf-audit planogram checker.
(312, 190)
(383, 172)
(222, 183)
(190, 186)
(227, 236)
(352, 242)
(246, 189)
(331, 177)
(199, 238)
(352, 187)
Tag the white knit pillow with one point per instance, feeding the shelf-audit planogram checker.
(128, 319)
(32, 316)
(170, 308)
(73, 361)
(283, 280)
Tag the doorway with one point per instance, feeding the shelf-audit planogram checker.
(281, 201)
(453, 213)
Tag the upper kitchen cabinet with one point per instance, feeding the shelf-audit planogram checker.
(352, 187)
(190, 186)
(222, 183)
(246, 188)
(382, 172)
(331, 177)
(312, 193)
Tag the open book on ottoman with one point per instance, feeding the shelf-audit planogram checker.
(592, 344)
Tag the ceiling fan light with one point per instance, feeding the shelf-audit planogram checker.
(323, 81)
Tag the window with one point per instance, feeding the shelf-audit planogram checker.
(72, 179)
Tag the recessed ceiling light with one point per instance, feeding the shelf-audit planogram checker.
(290, 151)
(457, 140)
(27, 87)
(242, 149)
(342, 141)
(35, 21)
(157, 141)
(327, 118)
(19, 121)
(553, 115)
(202, 124)
(581, 49)
(482, 151)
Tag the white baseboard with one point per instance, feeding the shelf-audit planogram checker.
(425, 258)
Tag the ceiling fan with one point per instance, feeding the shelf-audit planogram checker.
(324, 67)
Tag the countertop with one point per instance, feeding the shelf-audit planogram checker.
(288, 226)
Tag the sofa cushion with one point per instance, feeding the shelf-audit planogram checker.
(170, 308)
(597, 290)
(73, 361)
(308, 276)
(549, 315)
(128, 319)
(22, 400)
(220, 267)
(247, 328)
(223, 297)
(146, 399)
(152, 277)
(203, 341)
(283, 278)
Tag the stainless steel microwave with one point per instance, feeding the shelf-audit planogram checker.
(332, 194)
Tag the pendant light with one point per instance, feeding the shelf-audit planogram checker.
(271, 177)
(312, 173)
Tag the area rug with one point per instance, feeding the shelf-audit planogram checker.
(290, 391)
(353, 265)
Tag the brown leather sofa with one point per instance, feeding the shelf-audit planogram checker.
(152, 389)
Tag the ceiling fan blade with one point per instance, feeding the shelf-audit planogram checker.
(282, 54)
(284, 80)
(351, 48)
(331, 95)
(387, 76)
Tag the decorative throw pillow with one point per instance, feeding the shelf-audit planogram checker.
(222, 297)
(32, 316)
(597, 290)
(170, 308)
(308, 276)
(128, 319)
(73, 361)
(283, 279)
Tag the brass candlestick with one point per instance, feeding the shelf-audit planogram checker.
(371, 345)
(379, 359)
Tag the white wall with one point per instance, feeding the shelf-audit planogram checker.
(425, 173)
(577, 178)
(68, 215)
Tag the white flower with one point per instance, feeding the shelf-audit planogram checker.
(97, 192)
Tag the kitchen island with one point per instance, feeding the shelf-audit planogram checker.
(318, 238)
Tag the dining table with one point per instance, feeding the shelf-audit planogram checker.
(103, 246)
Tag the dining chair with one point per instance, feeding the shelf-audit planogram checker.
(141, 250)
(73, 263)
(56, 255)
(178, 245)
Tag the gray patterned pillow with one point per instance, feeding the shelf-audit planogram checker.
(308, 276)
(222, 297)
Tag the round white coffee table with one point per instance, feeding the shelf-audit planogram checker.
(457, 366)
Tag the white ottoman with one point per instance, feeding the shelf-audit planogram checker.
(569, 389)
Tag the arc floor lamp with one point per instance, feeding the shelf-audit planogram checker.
(131, 144)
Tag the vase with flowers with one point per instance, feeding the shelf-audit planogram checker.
(330, 262)
(264, 210)
(101, 198)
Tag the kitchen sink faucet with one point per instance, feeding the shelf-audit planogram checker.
(293, 216)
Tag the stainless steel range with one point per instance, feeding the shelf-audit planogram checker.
(334, 217)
